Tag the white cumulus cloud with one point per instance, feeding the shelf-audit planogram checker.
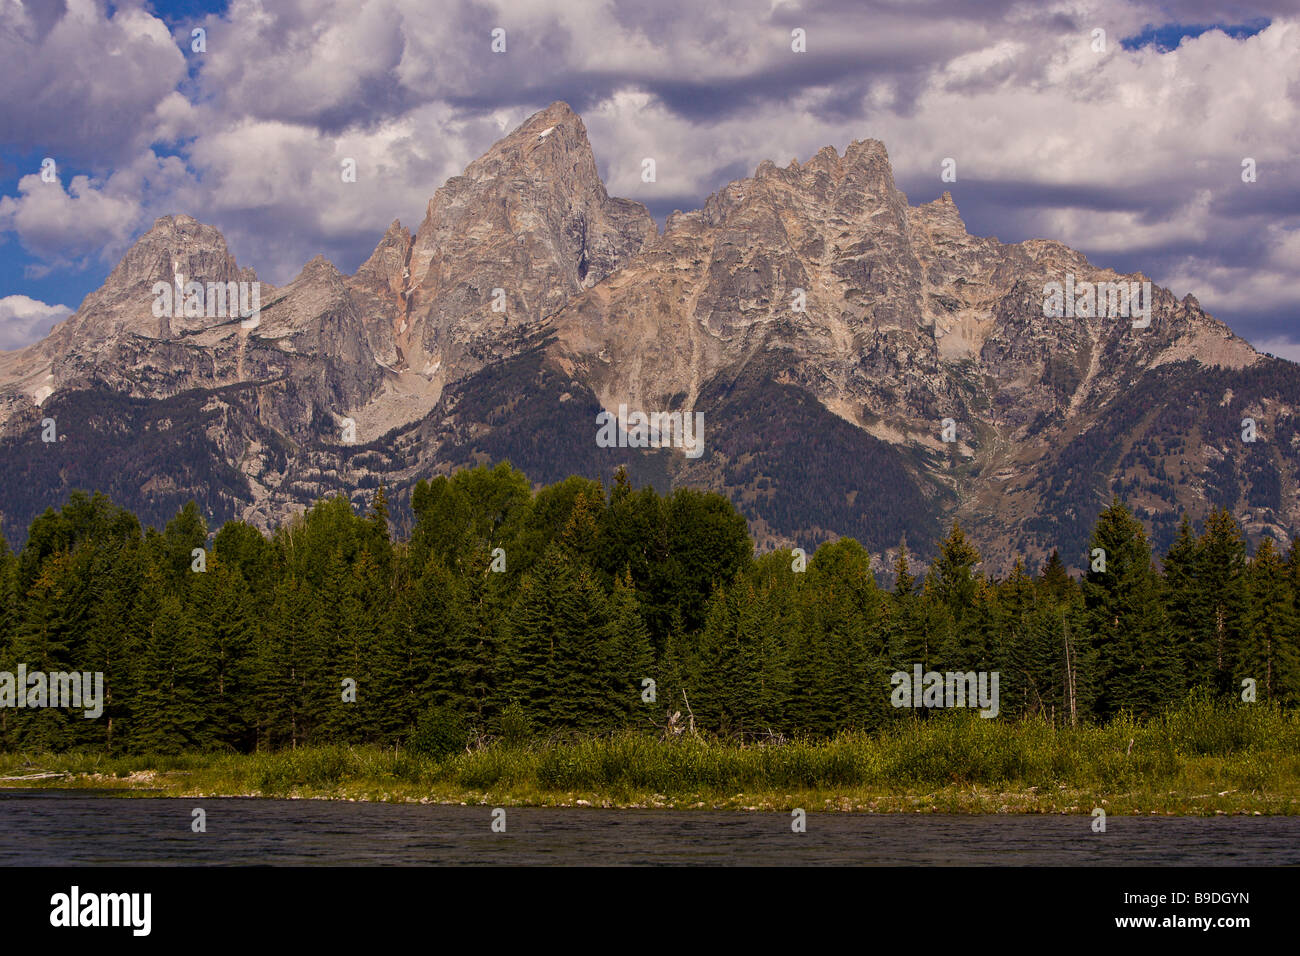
(24, 320)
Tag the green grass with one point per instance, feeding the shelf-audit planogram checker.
(1201, 758)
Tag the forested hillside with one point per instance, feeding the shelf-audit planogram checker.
(516, 613)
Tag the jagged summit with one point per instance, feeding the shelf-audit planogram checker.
(531, 218)
(558, 117)
(823, 324)
(177, 250)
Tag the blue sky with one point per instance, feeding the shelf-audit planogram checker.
(1131, 153)
(1167, 36)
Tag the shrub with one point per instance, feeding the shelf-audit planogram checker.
(439, 733)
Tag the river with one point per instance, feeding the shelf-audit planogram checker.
(43, 827)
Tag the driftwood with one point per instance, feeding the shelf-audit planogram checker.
(38, 776)
(674, 727)
(688, 709)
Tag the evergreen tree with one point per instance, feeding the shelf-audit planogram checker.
(904, 580)
(952, 580)
(170, 710)
(222, 615)
(57, 606)
(630, 657)
(1269, 653)
(184, 534)
(581, 672)
(726, 663)
(1055, 580)
(524, 665)
(278, 681)
(1187, 604)
(845, 616)
(955, 599)
(1013, 649)
(440, 663)
(252, 653)
(911, 622)
(10, 616)
(1221, 578)
(1125, 618)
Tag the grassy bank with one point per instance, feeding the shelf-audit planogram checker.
(1200, 759)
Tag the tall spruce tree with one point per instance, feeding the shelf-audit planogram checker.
(630, 658)
(1125, 617)
(1269, 651)
(524, 664)
(1187, 603)
(1221, 576)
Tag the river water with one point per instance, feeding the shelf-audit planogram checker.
(44, 827)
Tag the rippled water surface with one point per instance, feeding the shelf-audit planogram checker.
(80, 828)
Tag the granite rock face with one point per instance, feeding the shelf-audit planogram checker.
(865, 366)
(505, 245)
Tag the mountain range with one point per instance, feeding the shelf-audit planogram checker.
(864, 367)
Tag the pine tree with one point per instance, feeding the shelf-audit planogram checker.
(1187, 604)
(252, 653)
(439, 665)
(10, 616)
(904, 580)
(847, 618)
(524, 664)
(1125, 618)
(1221, 578)
(170, 710)
(630, 657)
(330, 653)
(727, 663)
(911, 622)
(952, 579)
(1055, 580)
(581, 670)
(379, 543)
(278, 668)
(1011, 648)
(220, 612)
(57, 606)
(184, 534)
(1269, 653)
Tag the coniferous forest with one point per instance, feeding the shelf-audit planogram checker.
(581, 609)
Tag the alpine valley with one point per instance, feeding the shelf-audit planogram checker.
(821, 422)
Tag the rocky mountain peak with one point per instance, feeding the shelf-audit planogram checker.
(557, 127)
(318, 267)
(503, 246)
(178, 250)
(940, 216)
(385, 273)
(548, 146)
(827, 186)
(824, 325)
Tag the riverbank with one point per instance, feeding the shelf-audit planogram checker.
(1202, 759)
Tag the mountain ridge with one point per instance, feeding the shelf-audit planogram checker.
(818, 277)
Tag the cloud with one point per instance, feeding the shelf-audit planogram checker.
(91, 220)
(24, 320)
(81, 84)
(1280, 348)
(1132, 155)
(334, 65)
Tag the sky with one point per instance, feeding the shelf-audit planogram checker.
(1127, 144)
